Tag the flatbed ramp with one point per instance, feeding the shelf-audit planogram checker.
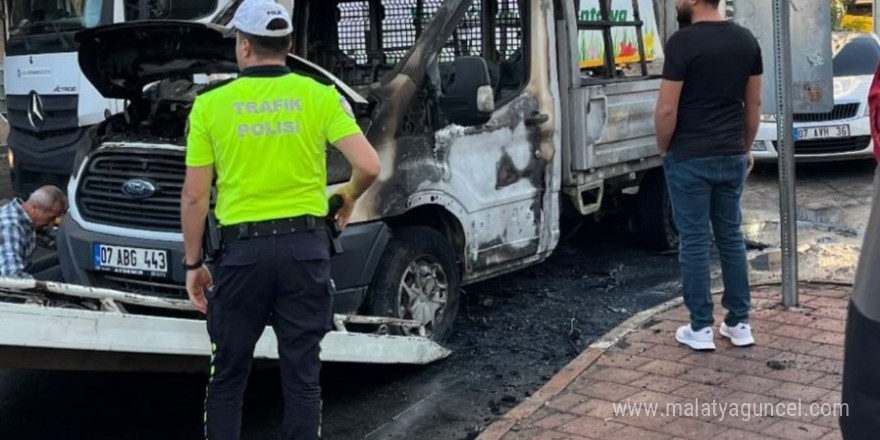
(35, 322)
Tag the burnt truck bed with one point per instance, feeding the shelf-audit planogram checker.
(617, 127)
(608, 130)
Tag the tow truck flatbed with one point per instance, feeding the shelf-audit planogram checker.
(33, 327)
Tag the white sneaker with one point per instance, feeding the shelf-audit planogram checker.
(701, 340)
(740, 334)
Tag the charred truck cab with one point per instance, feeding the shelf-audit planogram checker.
(50, 104)
(491, 118)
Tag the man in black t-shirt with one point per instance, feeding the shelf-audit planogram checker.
(707, 117)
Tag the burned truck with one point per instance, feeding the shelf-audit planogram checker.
(492, 118)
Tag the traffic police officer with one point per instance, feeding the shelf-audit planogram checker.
(264, 135)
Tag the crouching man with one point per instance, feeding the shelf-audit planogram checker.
(20, 221)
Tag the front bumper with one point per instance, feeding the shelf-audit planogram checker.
(352, 270)
(858, 145)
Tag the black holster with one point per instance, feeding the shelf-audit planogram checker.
(212, 245)
(333, 227)
(334, 231)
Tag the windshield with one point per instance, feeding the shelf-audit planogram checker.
(855, 55)
(100, 12)
(34, 17)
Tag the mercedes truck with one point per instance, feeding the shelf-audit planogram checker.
(50, 104)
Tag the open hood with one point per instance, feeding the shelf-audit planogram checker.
(120, 59)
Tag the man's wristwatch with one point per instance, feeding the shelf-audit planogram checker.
(197, 265)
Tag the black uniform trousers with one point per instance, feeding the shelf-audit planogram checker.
(279, 280)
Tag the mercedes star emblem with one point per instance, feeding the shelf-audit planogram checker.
(36, 115)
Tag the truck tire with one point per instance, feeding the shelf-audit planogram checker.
(656, 223)
(417, 279)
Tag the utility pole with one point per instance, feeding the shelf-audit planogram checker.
(874, 16)
(784, 103)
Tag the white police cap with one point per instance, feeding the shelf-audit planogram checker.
(253, 17)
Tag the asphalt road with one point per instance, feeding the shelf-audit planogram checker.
(511, 336)
(513, 333)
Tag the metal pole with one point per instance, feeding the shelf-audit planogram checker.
(874, 16)
(784, 102)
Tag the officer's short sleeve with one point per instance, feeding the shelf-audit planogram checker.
(199, 148)
(341, 121)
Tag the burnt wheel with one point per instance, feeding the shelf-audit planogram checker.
(418, 280)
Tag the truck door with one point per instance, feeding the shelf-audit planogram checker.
(501, 161)
(465, 95)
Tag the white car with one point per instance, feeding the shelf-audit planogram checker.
(844, 133)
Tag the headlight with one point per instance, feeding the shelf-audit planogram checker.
(10, 157)
(768, 118)
(759, 146)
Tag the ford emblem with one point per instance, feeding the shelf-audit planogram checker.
(138, 189)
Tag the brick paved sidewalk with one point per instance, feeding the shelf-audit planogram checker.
(798, 357)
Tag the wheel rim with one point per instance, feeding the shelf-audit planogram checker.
(423, 294)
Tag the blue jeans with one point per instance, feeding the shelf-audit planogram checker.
(705, 190)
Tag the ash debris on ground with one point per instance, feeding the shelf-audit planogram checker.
(515, 332)
(512, 335)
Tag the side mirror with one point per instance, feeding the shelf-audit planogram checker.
(469, 98)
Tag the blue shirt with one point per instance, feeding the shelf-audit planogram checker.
(18, 240)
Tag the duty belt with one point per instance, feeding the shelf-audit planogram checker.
(244, 231)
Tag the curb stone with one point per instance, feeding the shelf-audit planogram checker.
(570, 372)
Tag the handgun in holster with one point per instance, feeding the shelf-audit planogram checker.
(212, 245)
(335, 231)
